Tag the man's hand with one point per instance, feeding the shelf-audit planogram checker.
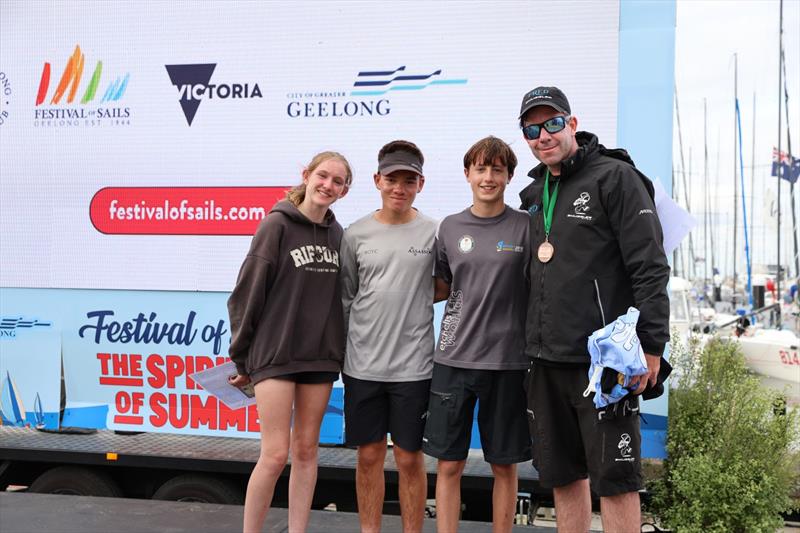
(238, 380)
(639, 383)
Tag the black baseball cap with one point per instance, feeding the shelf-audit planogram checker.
(549, 96)
(399, 160)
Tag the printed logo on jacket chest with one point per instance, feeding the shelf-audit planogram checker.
(580, 207)
(304, 255)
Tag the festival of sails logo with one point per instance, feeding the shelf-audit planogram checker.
(62, 109)
(369, 95)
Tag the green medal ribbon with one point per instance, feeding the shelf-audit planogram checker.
(548, 203)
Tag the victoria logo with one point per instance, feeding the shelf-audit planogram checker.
(194, 85)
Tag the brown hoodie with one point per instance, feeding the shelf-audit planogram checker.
(286, 308)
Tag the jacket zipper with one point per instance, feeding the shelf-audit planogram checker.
(541, 303)
(599, 302)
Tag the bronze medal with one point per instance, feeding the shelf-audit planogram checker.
(545, 252)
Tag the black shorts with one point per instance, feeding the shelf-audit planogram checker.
(310, 378)
(374, 408)
(501, 414)
(573, 440)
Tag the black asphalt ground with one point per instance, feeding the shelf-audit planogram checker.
(25, 512)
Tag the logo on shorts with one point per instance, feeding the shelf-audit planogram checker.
(625, 449)
(466, 244)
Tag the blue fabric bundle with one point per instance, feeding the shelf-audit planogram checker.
(615, 346)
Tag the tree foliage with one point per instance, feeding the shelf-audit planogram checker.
(732, 447)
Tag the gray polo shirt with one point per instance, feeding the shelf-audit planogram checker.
(387, 292)
(485, 261)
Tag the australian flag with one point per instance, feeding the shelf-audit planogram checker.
(790, 166)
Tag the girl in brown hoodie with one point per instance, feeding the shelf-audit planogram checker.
(288, 333)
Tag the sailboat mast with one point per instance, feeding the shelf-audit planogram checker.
(753, 181)
(705, 199)
(735, 182)
(744, 210)
(791, 183)
(714, 208)
(690, 258)
(677, 252)
(780, 167)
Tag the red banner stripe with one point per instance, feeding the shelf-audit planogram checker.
(132, 382)
(182, 210)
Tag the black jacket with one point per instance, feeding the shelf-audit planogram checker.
(608, 255)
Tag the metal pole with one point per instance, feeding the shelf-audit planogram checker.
(705, 199)
(780, 78)
(735, 183)
(753, 182)
(789, 150)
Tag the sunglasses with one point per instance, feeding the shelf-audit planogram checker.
(554, 125)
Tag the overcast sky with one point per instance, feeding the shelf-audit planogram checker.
(708, 34)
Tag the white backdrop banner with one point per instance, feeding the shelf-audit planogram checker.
(142, 142)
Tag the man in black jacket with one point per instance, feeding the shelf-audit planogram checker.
(598, 250)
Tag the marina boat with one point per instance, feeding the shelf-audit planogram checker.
(772, 354)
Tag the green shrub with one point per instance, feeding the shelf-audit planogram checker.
(732, 460)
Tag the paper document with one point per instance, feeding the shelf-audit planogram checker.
(676, 222)
(215, 381)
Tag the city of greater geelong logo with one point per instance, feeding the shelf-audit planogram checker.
(10, 326)
(194, 85)
(368, 95)
(62, 109)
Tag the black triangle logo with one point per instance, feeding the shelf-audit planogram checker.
(186, 76)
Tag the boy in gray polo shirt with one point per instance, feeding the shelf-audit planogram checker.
(387, 290)
(481, 260)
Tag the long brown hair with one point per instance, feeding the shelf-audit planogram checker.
(297, 194)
